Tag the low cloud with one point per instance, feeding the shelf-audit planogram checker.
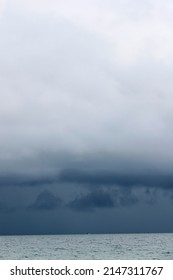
(127, 198)
(91, 177)
(46, 201)
(105, 178)
(6, 209)
(86, 110)
(104, 198)
(96, 199)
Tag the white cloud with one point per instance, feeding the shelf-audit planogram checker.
(132, 29)
(86, 76)
(2, 6)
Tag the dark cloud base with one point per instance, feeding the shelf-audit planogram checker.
(91, 178)
(79, 201)
(95, 178)
(45, 201)
(94, 200)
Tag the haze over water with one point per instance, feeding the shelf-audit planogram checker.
(88, 246)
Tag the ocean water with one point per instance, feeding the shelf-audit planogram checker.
(88, 246)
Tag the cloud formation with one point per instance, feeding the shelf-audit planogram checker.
(72, 82)
(86, 112)
(97, 199)
(91, 178)
(2, 6)
(107, 198)
(45, 201)
(6, 209)
(107, 178)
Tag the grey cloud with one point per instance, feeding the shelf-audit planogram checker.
(6, 209)
(97, 178)
(90, 178)
(20, 180)
(45, 201)
(150, 195)
(127, 198)
(93, 200)
(86, 108)
(65, 91)
(104, 198)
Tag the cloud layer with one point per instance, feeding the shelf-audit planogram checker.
(86, 112)
(72, 82)
(45, 201)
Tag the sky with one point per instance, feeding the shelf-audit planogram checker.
(86, 116)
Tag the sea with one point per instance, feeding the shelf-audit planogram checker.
(148, 246)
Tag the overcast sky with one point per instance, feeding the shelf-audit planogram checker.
(86, 116)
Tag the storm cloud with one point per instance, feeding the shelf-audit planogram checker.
(106, 178)
(45, 201)
(86, 113)
(6, 209)
(97, 199)
(103, 199)
(91, 178)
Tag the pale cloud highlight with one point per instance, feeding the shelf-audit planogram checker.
(87, 77)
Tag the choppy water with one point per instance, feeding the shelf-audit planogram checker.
(88, 246)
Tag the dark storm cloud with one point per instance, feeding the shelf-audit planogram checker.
(26, 181)
(86, 112)
(46, 201)
(151, 195)
(102, 199)
(90, 178)
(6, 209)
(97, 178)
(96, 199)
(171, 197)
(127, 198)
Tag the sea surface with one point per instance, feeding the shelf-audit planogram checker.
(88, 246)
